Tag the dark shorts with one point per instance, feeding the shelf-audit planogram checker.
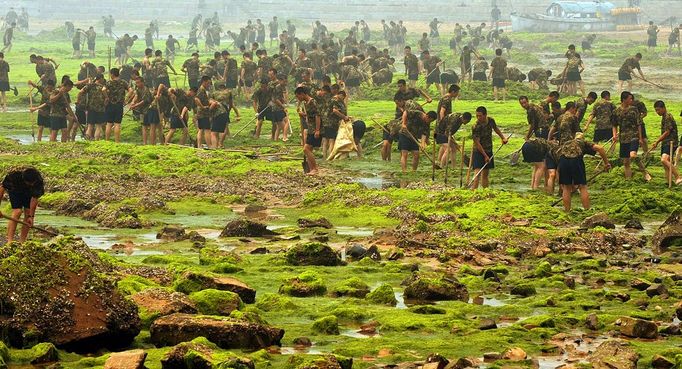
(114, 113)
(91, 46)
(230, 83)
(4, 86)
(264, 113)
(413, 76)
(573, 76)
(644, 135)
(550, 163)
(572, 171)
(96, 117)
(204, 123)
(601, 135)
(318, 75)
(248, 83)
(651, 42)
(665, 148)
(586, 45)
(20, 200)
(441, 138)
(194, 83)
(623, 76)
(627, 147)
(152, 117)
(330, 133)
(388, 137)
(406, 143)
(165, 80)
(479, 160)
(312, 141)
(177, 123)
(44, 120)
(76, 46)
(499, 82)
(80, 115)
(480, 76)
(57, 123)
(433, 78)
(219, 123)
(353, 82)
(359, 129)
(277, 116)
(531, 154)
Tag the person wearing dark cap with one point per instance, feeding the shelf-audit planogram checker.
(24, 186)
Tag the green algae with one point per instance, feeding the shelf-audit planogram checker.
(326, 325)
(215, 302)
(382, 295)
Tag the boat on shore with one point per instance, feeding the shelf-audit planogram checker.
(578, 16)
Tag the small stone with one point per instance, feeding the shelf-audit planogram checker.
(133, 359)
(614, 355)
(638, 328)
(320, 222)
(598, 220)
(523, 290)
(303, 342)
(194, 236)
(171, 233)
(656, 290)
(490, 274)
(640, 284)
(478, 300)
(44, 353)
(251, 208)
(569, 281)
(373, 253)
(487, 324)
(592, 322)
(660, 362)
(490, 357)
(259, 251)
(356, 251)
(515, 354)
(634, 224)
(670, 330)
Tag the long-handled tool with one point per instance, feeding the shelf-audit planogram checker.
(670, 170)
(28, 225)
(461, 163)
(33, 127)
(607, 151)
(651, 83)
(249, 122)
(514, 157)
(433, 162)
(488, 162)
(471, 163)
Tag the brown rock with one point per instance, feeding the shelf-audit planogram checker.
(208, 281)
(171, 233)
(598, 220)
(133, 359)
(592, 322)
(660, 362)
(515, 354)
(246, 228)
(163, 302)
(638, 328)
(315, 223)
(614, 355)
(227, 333)
(669, 233)
(656, 290)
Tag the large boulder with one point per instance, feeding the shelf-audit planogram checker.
(638, 328)
(193, 282)
(246, 228)
(320, 222)
(312, 253)
(172, 233)
(598, 220)
(160, 302)
(614, 355)
(431, 287)
(669, 233)
(227, 333)
(62, 292)
(116, 217)
(190, 355)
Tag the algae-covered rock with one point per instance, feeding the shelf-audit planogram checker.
(121, 217)
(427, 310)
(661, 362)
(351, 287)
(192, 282)
(214, 255)
(598, 220)
(432, 287)
(190, 355)
(275, 302)
(236, 363)
(544, 269)
(160, 302)
(133, 359)
(523, 290)
(306, 284)
(215, 302)
(614, 355)
(62, 292)
(383, 295)
(246, 228)
(227, 333)
(312, 253)
(320, 222)
(326, 325)
(44, 353)
(669, 233)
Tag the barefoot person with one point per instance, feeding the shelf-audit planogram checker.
(626, 120)
(668, 137)
(572, 168)
(24, 187)
(311, 119)
(482, 133)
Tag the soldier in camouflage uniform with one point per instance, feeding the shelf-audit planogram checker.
(160, 70)
(627, 121)
(96, 107)
(415, 123)
(602, 112)
(567, 125)
(149, 36)
(91, 37)
(170, 48)
(482, 135)
(44, 107)
(202, 103)
(669, 141)
(182, 102)
(143, 106)
(411, 67)
(583, 103)
(192, 67)
(323, 99)
(572, 168)
(278, 114)
(449, 126)
(538, 78)
(444, 109)
(312, 124)
(60, 108)
(248, 73)
(117, 88)
(261, 100)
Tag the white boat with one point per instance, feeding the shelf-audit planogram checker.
(579, 16)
